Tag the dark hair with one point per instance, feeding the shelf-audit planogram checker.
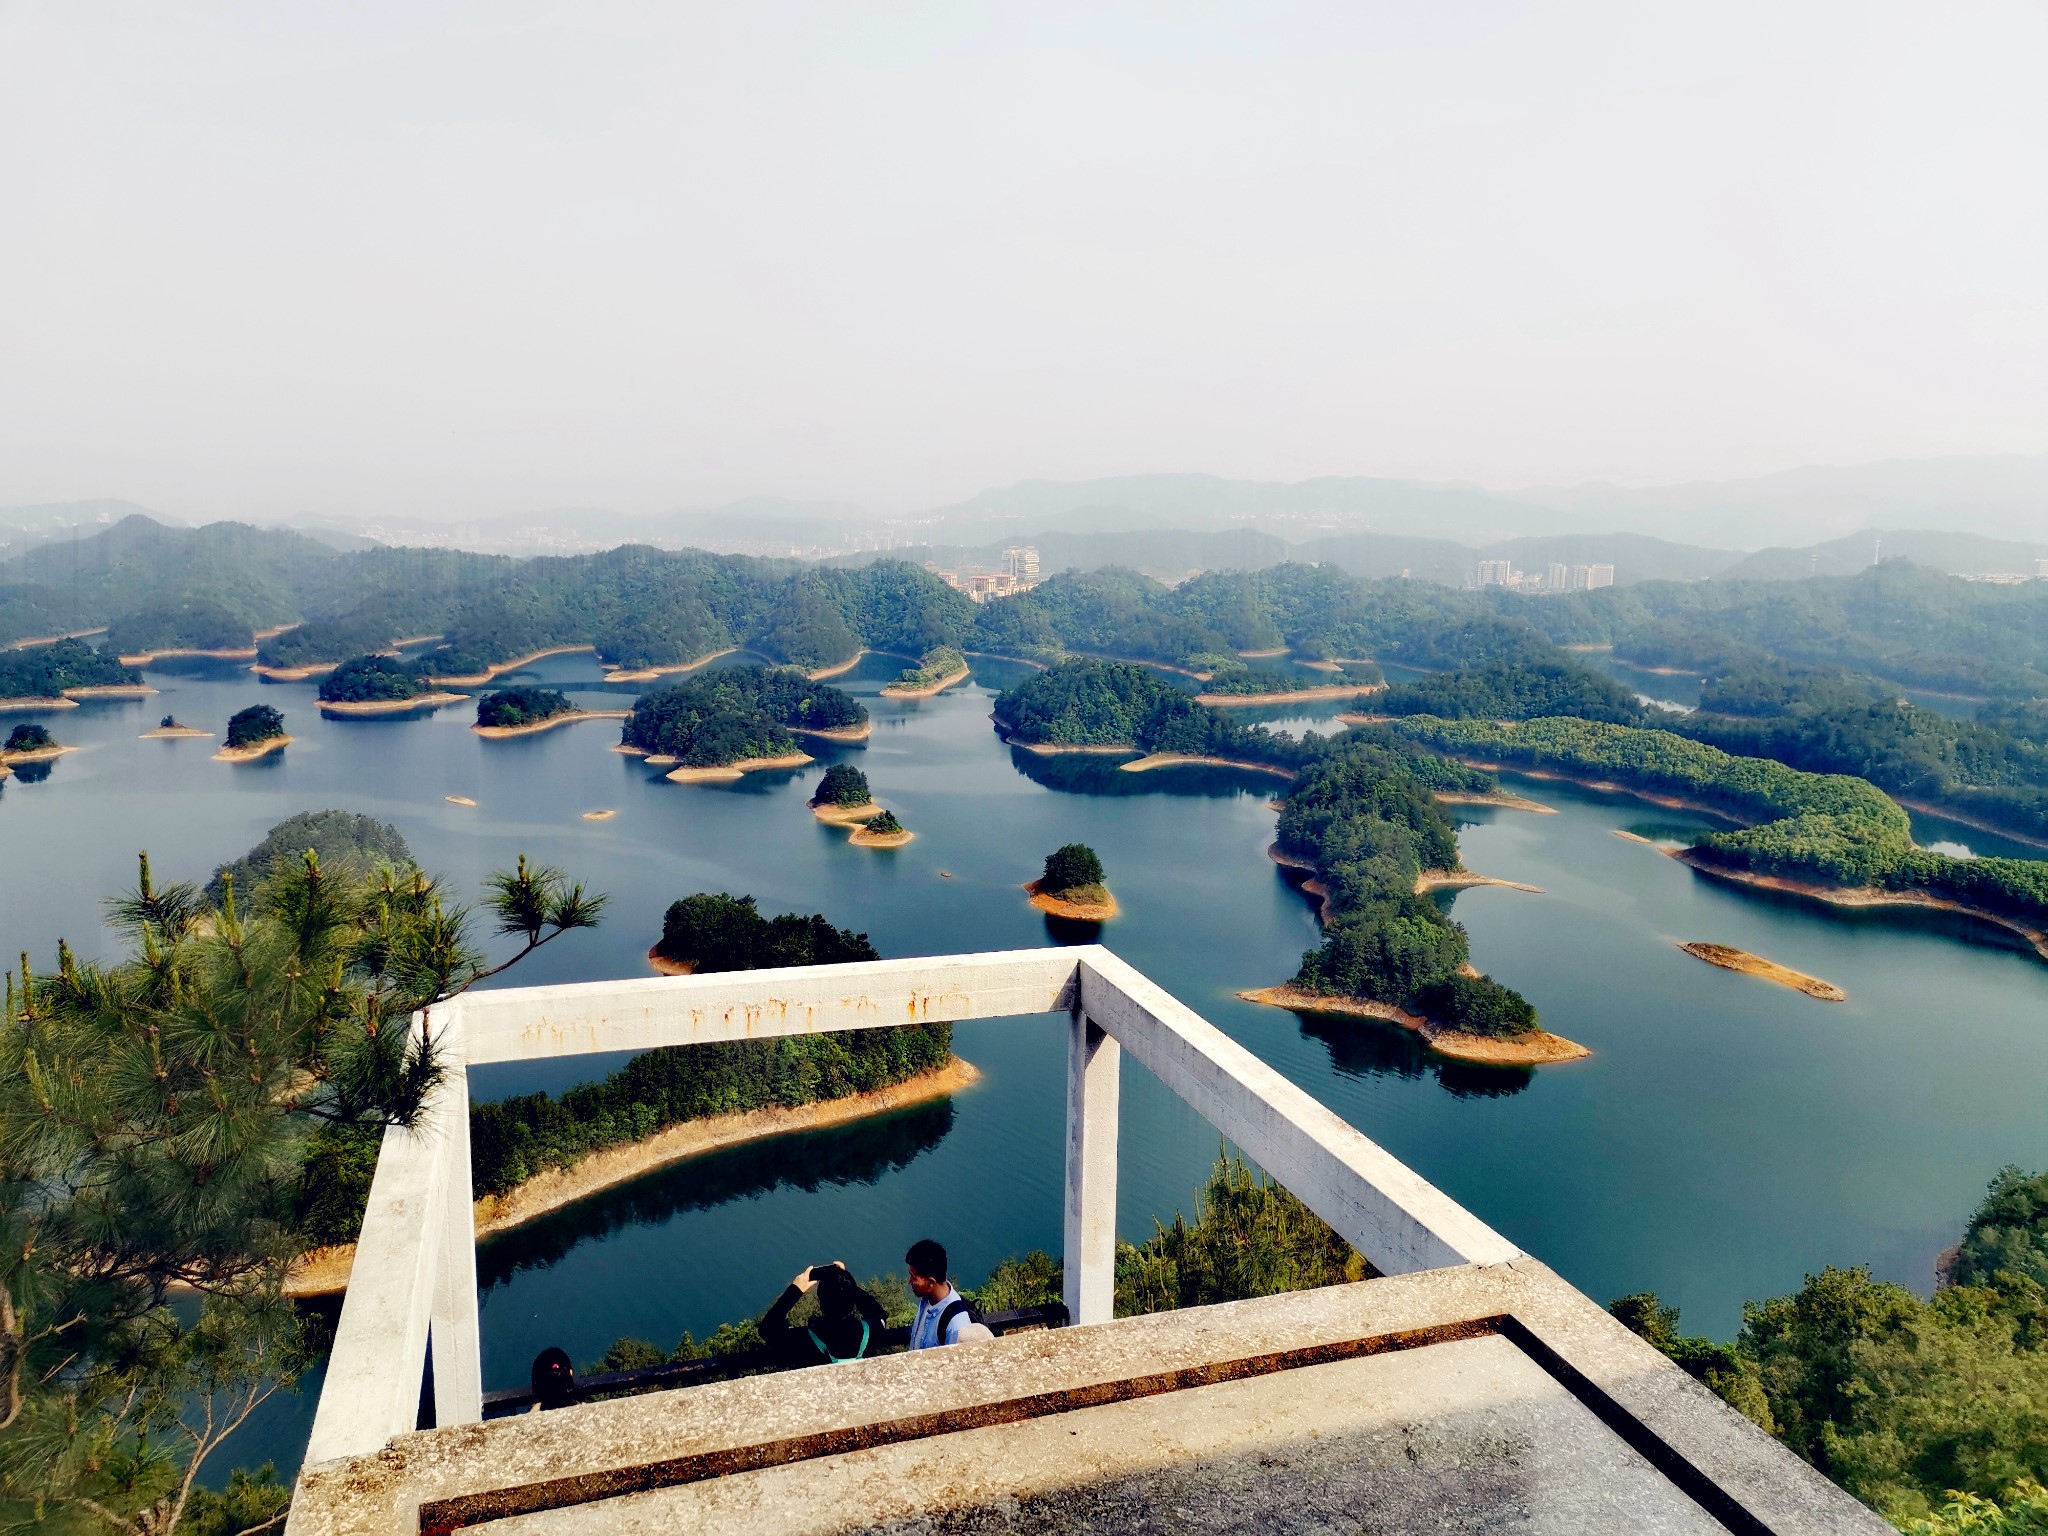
(927, 1258)
(835, 1291)
(553, 1378)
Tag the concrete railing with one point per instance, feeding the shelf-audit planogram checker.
(413, 1290)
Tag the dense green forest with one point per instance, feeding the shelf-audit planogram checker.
(371, 679)
(1366, 817)
(509, 707)
(259, 722)
(737, 713)
(1100, 703)
(1899, 1400)
(516, 1138)
(45, 671)
(934, 666)
(342, 841)
(1506, 671)
(1831, 828)
(843, 784)
(29, 737)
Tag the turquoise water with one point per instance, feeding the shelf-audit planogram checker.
(1726, 1137)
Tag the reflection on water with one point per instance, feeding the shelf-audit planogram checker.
(860, 1153)
(33, 773)
(1370, 1048)
(1098, 774)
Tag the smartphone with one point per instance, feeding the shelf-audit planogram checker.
(820, 1271)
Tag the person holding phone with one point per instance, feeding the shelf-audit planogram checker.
(848, 1325)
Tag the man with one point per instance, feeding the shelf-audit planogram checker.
(943, 1316)
(848, 1323)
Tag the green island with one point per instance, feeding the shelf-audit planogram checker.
(843, 795)
(1832, 836)
(28, 742)
(1100, 705)
(740, 717)
(522, 711)
(46, 674)
(940, 667)
(1073, 886)
(881, 830)
(252, 733)
(378, 684)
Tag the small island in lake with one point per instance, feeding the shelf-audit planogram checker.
(524, 711)
(30, 743)
(376, 684)
(1073, 886)
(738, 720)
(882, 830)
(939, 668)
(254, 732)
(168, 729)
(843, 797)
(1742, 960)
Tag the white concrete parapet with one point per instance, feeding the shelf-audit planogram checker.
(414, 1276)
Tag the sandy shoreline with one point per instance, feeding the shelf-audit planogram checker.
(35, 641)
(725, 773)
(1061, 748)
(863, 837)
(893, 691)
(1604, 786)
(1292, 696)
(668, 967)
(30, 704)
(1498, 797)
(311, 669)
(40, 755)
(463, 800)
(649, 674)
(249, 754)
(173, 733)
(821, 673)
(1463, 879)
(599, 815)
(325, 1271)
(235, 653)
(392, 706)
(110, 691)
(534, 728)
(1076, 911)
(846, 815)
(498, 669)
(1743, 962)
(859, 732)
(1537, 1048)
(1177, 759)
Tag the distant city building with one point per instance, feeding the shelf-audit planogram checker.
(1496, 573)
(1559, 577)
(2041, 570)
(1021, 561)
(1599, 576)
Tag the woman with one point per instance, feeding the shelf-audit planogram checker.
(848, 1325)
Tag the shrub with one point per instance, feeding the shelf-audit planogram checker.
(257, 723)
(1069, 867)
(29, 738)
(843, 784)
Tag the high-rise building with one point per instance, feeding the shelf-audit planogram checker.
(1559, 577)
(1599, 576)
(1496, 573)
(2041, 570)
(1021, 561)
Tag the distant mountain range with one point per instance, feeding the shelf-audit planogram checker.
(1966, 515)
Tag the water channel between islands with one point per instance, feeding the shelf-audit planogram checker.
(1726, 1136)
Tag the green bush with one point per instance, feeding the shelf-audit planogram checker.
(29, 737)
(843, 784)
(257, 723)
(1070, 867)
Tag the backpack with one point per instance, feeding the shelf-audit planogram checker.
(955, 1308)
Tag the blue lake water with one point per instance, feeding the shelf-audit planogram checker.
(1726, 1137)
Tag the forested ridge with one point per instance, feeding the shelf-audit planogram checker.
(1835, 829)
(45, 671)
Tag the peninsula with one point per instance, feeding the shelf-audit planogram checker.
(1730, 959)
(939, 668)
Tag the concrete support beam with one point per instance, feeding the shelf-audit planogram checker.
(526, 1023)
(1089, 1268)
(380, 1344)
(458, 1351)
(1383, 1208)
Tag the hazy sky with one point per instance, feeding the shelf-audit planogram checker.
(448, 259)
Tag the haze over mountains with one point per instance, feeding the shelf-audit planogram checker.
(1967, 515)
